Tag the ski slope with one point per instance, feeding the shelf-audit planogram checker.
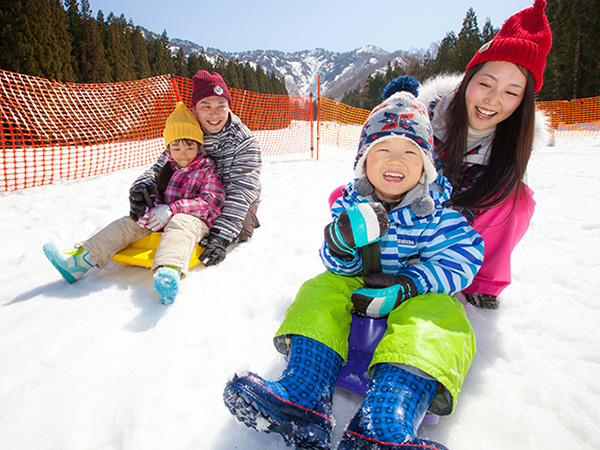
(102, 365)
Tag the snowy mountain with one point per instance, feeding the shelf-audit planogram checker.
(339, 72)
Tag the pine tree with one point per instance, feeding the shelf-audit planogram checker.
(166, 49)
(61, 62)
(375, 85)
(469, 40)
(356, 98)
(239, 67)
(488, 31)
(590, 49)
(230, 75)
(447, 55)
(180, 64)
(140, 53)
(75, 29)
(34, 39)
(205, 63)
(263, 80)
(573, 65)
(428, 65)
(193, 64)
(250, 81)
(220, 64)
(277, 84)
(118, 47)
(87, 49)
(159, 56)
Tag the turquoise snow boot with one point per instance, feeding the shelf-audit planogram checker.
(298, 406)
(71, 265)
(394, 407)
(166, 283)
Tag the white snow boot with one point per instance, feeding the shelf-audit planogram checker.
(166, 283)
(71, 265)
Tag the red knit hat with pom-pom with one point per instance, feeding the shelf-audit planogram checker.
(524, 39)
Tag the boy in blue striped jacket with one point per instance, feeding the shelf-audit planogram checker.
(428, 252)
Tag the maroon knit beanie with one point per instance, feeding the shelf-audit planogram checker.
(524, 39)
(205, 84)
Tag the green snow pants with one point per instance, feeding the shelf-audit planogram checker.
(430, 332)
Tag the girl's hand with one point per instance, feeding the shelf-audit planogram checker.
(158, 217)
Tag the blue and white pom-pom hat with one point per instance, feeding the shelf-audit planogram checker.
(400, 115)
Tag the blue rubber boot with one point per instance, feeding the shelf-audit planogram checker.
(166, 283)
(391, 413)
(71, 265)
(298, 405)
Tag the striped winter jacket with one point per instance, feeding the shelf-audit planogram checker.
(236, 153)
(440, 252)
(195, 190)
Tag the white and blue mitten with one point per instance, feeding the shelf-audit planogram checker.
(356, 227)
(158, 217)
(383, 294)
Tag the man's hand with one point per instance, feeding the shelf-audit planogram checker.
(140, 199)
(214, 251)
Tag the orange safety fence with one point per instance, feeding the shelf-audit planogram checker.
(339, 124)
(573, 118)
(64, 131)
(53, 131)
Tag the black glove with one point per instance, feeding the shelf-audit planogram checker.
(214, 250)
(383, 294)
(358, 226)
(140, 198)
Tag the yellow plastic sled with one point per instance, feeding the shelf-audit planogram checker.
(141, 253)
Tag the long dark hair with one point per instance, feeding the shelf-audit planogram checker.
(510, 150)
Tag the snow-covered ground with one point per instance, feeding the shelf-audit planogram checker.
(102, 365)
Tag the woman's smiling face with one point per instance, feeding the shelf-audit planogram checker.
(494, 93)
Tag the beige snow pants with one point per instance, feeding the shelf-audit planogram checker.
(176, 245)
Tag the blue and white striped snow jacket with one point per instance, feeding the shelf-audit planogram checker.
(440, 252)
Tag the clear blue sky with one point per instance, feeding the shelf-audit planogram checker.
(337, 25)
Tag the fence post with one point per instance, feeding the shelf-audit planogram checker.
(174, 85)
(318, 112)
(312, 112)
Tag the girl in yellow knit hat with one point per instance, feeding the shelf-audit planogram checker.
(189, 200)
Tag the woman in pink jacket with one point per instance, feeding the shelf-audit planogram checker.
(485, 129)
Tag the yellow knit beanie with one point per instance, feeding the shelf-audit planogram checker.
(182, 124)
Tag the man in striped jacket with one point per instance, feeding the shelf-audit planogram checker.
(236, 153)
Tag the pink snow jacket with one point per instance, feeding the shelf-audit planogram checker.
(196, 189)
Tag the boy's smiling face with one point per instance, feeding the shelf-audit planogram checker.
(394, 166)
